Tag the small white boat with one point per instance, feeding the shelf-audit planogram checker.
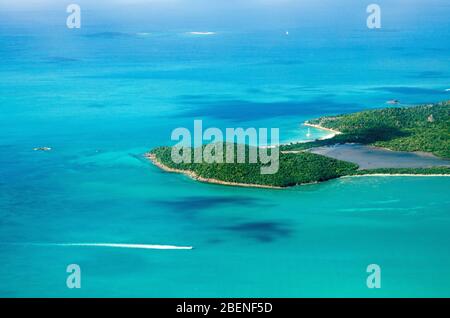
(42, 149)
(308, 134)
(393, 101)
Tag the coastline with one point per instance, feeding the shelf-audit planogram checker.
(194, 176)
(191, 174)
(396, 175)
(333, 132)
(329, 136)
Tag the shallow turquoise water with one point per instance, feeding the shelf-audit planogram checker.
(101, 105)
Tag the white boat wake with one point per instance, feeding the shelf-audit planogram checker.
(115, 245)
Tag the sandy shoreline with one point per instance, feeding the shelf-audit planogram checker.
(333, 132)
(193, 175)
(396, 175)
(329, 136)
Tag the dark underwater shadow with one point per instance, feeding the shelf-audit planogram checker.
(263, 231)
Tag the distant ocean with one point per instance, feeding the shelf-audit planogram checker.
(101, 97)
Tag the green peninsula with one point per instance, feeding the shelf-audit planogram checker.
(405, 141)
(293, 169)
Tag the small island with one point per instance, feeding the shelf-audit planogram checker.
(397, 141)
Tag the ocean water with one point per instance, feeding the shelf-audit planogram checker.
(102, 96)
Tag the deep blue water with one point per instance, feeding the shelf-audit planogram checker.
(102, 96)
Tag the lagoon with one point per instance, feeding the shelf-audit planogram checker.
(369, 157)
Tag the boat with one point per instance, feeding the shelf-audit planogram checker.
(308, 134)
(42, 149)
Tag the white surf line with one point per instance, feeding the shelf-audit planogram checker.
(115, 245)
(396, 175)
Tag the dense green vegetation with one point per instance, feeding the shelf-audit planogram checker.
(293, 169)
(420, 128)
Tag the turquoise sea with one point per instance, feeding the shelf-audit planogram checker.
(103, 95)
